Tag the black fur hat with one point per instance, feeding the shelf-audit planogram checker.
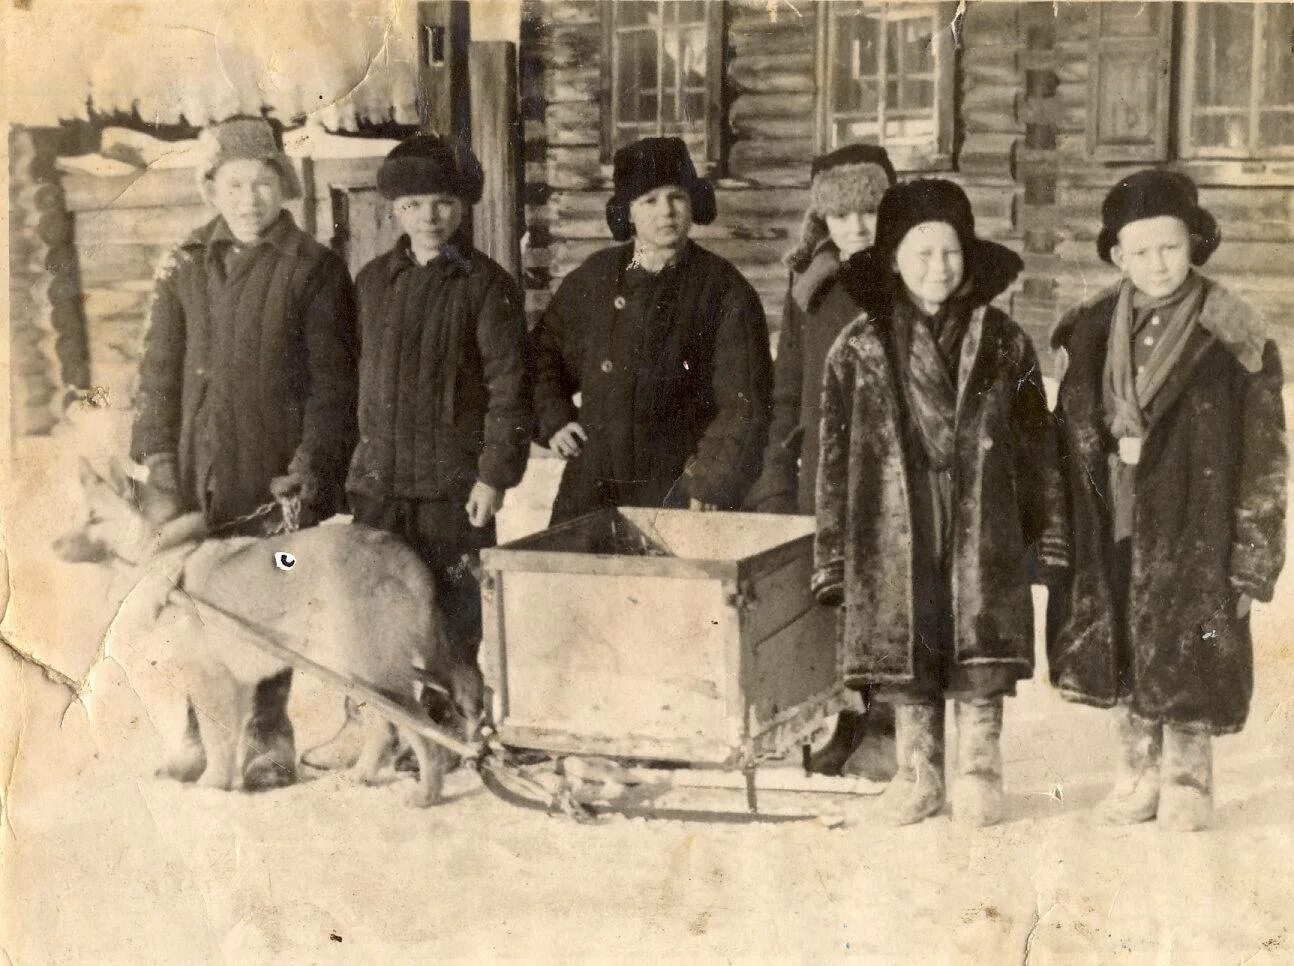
(428, 164)
(652, 163)
(990, 267)
(1151, 194)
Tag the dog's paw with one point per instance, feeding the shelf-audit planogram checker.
(361, 775)
(182, 769)
(419, 797)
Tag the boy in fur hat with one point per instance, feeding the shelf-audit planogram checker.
(444, 389)
(666, 344)
(845, 189)
(1174, 458)
(247, 384)
(935, 478)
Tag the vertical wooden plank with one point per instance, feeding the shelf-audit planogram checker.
(496, 135)
(444, 32)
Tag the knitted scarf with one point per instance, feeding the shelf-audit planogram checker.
(1125, 393)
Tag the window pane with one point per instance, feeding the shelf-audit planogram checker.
(694, 107)
(1223, 54)
(689, 11)
(1129, 20)
(848, 132)
(693, 53)
(631, 14)
(917, 95)
(917, 130)
(910, 50)
(1278, 58)
(647, 105)
(1276, 129)
(1221, 131)
(635, 74)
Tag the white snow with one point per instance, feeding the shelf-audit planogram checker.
(104, 864)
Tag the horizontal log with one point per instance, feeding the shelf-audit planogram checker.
(573, 84)
(778, 81)
(765, 129)
(783, 40)
(345, 173)
(800, 107)
(135, 226)
(983, 121)
(575, 45)
(748, 156)
(107, 303)
(760, 63)
(997, 97)
(564, 11)
(573, 122)
(575, 167)
(988, 153)
(1243, 258)
(759, 16)
(760, 174)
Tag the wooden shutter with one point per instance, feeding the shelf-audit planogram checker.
(1129, 67)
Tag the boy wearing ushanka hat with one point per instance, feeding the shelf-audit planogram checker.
(666, 346)
(845, 189)
(247, 383)
(444, 389)
(1172, 446)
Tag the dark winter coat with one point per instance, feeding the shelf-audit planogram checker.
(246, 373)
(444, 397)
(1005, 491)
(699, 385)
(817, 307)
(1209, 520)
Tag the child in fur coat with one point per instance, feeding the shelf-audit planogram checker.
(1172, 449)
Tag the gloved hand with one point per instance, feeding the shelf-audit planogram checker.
(299, 484)
(159, 497)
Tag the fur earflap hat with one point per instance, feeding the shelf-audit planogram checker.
(1154, 193)
(246, 138)
(652, 163)
(852, 178)
(428, 164)
(990, 268)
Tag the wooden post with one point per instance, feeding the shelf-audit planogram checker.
(496, 136)
(444, 32)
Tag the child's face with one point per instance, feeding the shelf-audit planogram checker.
(852, 231)
(429, 220)
(663, 217)
(249, 194)
(930, 261)
(1155, 254)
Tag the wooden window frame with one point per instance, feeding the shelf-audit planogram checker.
(937, 157)
(610, 104)
(1160, 47)
(1187, 108)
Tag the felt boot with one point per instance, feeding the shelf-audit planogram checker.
(341, 751)
(1135, 796)
(917, 791)
(849, 732)
(978, 799)
(1186, 796)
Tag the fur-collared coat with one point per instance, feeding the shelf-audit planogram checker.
(1006, 492)
(250, 372)
(1209, 519)
(699, 384)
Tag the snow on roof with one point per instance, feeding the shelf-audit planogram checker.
(337, 61)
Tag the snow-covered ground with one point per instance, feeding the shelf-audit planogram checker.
(102, 863)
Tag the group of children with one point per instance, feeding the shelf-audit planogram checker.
(906, 411)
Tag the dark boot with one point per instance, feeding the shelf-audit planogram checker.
(850, 730)
(917, 791)
(272, 755)
(1186, 797)
(978, 799)
(1135, 796)
(873, 758)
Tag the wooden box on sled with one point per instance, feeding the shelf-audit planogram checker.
(665, 635)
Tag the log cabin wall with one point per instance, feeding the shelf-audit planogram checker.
(1024, 107)
(770, 104)
(124, 226)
